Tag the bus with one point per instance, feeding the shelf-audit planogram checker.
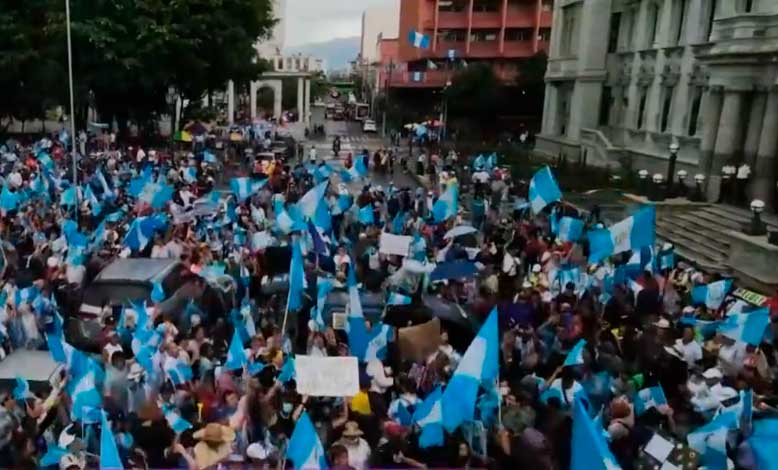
(361, 111)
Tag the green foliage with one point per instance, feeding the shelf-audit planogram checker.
(475, 92)
(127, 53)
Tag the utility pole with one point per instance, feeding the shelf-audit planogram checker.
(72, 109)
(390, 69)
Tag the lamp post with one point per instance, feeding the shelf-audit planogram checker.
(756, 227)
(726, 182)
(643, 176)
(170, 97)
(682, 189)
(72, 108)
(674, 147)
(699, 181)
(657, 193)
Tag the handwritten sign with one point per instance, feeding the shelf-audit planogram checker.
(395, 244)
(327, 376)
(751, 297)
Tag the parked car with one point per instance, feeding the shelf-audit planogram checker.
(38, 367)
(126, 280)
(369, 126)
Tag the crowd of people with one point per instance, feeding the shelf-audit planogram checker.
(654, 355)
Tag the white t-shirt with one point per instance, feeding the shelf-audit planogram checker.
(692, 352)
(340, 260)
(75, 274)
(158, 251)
(509, 265)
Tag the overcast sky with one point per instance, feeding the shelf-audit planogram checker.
(321, 20)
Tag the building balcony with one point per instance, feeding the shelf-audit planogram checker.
(546, 19)
(452, 20)
(439, 78)
(521, 15)
(487, 20)
(484, 49)
(441, 51)
(518, 49)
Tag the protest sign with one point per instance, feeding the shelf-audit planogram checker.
(327, 376)
(418, 342)
(395, 244)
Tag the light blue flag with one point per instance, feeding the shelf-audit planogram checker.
(304, 448)
(569, 229)
(398, 299)
(174, 419)
(345, 201)
(447, 205)
(366, 215)
(190, 174)
(711, 295)
(651, 397)
(157, 293)
(296, 278)
(429, 417)
(209, 157)
(107, 191)
(418, 40)
(8, 200)
(543, 190)
(710, 441)
(288, 219)
(311, 201)
(26, 295)
(479, 364)
(748, 328)
(762, 442)
(109, 454)
(52, 456)
(45, 160)
(572, 276)
(236, 355)
(288, 371)
(139, 234)
(151, 192)
(178, 371)
(576, 355)
(358, 337)
(491, 162)
(589, 449)
(86, 397)
(666, 259)
(479, 162)
(632, 233)
(380, 336)
(244, 188)
(22, 389)
(68, 197)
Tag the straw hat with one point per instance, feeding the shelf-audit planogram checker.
(352, 430)
(215, 444)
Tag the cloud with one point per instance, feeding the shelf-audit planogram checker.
(310, 21)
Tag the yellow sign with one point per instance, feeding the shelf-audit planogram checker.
(751, 297)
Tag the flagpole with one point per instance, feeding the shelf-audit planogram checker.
(72, 109)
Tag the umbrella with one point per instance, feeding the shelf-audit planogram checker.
(183, 136)
(409, 126)
(196, 128)
(459, 231)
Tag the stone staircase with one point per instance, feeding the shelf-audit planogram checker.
(703, 233)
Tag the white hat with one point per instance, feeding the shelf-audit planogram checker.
(258, 451)
(69, 461)
(662, 323)
(535, 268)
(712, 373)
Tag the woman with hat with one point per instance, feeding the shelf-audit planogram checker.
(214, 447)
(357, 447)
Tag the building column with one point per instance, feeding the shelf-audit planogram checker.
(763, 185)
(301, 109)
(754, 132)
(277, 99)
(550, 114)
(253, 99)
(231, 102)
(307, 101)
(708, 123)
(728, 140)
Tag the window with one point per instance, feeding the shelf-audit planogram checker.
(452, 5)
(482, 35)
(748, 6)
(605, 106)
(711, 17)
(544, 34)
(548, 5)
(569, 24)
(483, 6)
(695, 113)
(452, 35)
(681, 19)
(653, 24)
(613, 34)
(630, 29)
(667, 104)
(519, 34)
(642, 108)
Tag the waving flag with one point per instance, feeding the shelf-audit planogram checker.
(288, 371)
(651, 397)
(177, 371)
(632, 233)
(190, 174)
(310, 202)
(85, 395)
(366, 215)
(304, 448)
(429, 417)
(107, 191)
(479, 162)
(418, 40)
(710, 441)
(746, 327)
(762, 442)
(447, 205)
(151, 192)
(712, 295)
(666, 259)
(398, 299)
(589, 450)
(140, 233)
(569, 229)
(376, 346)
(109, 454)
(478, 364)
(575, 356)
(22, 389)
(174, 419)
(355, 323)
(289, 219)
(491, 162)
(296, 278)
(244, 188)
(543, 190)
(236, 355)
(157, 293)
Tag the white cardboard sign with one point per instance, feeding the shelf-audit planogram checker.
(327, 376)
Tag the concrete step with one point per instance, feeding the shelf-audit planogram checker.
(681, 230)
(692, 255)
(711, 219)
(736, 215)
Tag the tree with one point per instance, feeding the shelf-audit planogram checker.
(531, 83)
(476, 93)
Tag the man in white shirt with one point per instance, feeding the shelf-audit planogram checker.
(690, 350)
(743, 174)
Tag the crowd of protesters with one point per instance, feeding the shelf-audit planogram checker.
(642, 327)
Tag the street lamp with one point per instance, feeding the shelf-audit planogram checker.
(682, 189)
(657, 194)
(699, 181)
(727, 172)
(170, 97)
(756, 227)
(674, 147)
(72, 107)
(643, 176)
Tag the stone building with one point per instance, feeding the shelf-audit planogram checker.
(627, 78)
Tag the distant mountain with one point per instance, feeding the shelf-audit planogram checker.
(336, 52)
